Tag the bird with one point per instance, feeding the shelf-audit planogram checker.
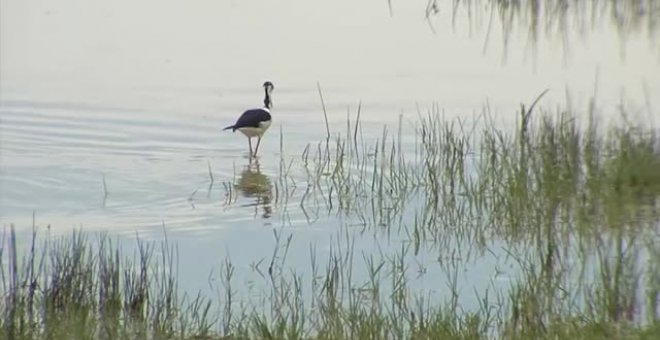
(255, 122)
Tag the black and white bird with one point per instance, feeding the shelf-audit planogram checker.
(255, 122)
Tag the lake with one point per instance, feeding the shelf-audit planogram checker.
(112, 115)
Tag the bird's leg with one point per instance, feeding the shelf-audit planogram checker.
(250, 144)
(257, 148)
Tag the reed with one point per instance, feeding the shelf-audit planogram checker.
(571, 206)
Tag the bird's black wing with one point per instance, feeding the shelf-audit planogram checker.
(250, 118)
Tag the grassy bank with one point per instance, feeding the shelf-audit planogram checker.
(575, 204)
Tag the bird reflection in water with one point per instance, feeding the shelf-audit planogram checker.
(254, 184)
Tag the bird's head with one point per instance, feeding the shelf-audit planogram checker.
(268, 86)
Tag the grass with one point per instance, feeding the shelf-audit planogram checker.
(573, 204)
(569, 21)
(549, 16)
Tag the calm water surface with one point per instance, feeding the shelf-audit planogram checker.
(111, 113)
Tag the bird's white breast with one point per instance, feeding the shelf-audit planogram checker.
(256, 131)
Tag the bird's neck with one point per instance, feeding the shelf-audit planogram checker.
(267, 102)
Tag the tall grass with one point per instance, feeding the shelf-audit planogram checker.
(573, 204)
(539, 19)
(76, 288)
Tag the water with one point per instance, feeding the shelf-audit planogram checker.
(111, 113)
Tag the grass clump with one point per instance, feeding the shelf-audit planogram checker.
(73, 288)
(570, 208)
(551, 18)
(330, 302)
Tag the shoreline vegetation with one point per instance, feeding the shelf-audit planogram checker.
(573, 202)
(576, 202)
(549, 18)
